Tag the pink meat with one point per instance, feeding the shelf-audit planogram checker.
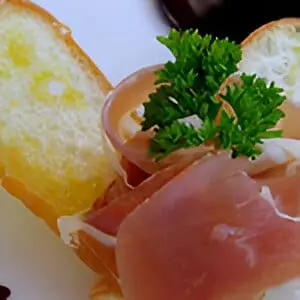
(209, 234)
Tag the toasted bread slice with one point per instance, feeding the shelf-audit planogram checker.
(273, 52)
(51, 149)
(51, 155)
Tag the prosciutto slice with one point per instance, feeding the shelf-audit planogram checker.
(207, 229)
(124, 133)
(198, 225)
(211, 233)
(122, 200)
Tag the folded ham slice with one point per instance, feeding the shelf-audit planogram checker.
(124, 133)
(214, 228)
(122, 200)
(197, 225)
(211, 233)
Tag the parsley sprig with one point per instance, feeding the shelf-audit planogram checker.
(190, 85)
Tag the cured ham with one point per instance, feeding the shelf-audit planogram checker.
(211, 229)
(123, 131)
(121, 202)
(210, 234)
(199, 224)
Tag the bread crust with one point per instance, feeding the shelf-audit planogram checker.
(268, 26)
(64, 33)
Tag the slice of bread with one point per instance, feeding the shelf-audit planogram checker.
(51, 155)
(273, 52)
(51, 95)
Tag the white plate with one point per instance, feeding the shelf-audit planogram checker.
(119, 35)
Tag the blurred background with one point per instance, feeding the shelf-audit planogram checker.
(234, 19)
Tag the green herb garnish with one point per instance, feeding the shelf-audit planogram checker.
(190, 86)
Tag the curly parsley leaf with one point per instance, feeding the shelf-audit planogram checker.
(187, 86)
(190, 85)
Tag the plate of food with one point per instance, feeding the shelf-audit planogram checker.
(180, 182)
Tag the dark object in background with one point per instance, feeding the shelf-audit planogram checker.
(234, 19)
(4, 292)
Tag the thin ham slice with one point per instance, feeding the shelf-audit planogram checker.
(126, 98)
(210, 234)
(125, 134)
(135, 176)
(193, 226)
(121, 201)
